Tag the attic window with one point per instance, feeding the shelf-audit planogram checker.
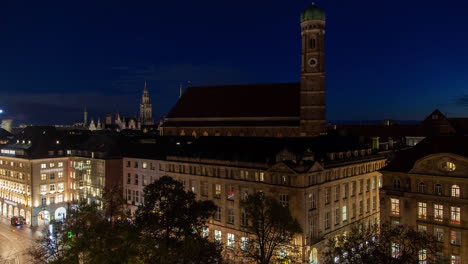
(435, 117)
(449, 166)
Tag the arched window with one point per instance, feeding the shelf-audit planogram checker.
(456, 191)
(194, 134)
(205, 134)
(182, 133)
(396, 184)
(313, 259)
(229, 134)
(438, 189)
(422, 187)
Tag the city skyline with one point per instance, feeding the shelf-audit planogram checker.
(70, 56)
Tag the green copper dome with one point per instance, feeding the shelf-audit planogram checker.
(313, 13)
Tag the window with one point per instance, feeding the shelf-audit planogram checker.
(337, 216)
(449, 166)
(368, 185)
(373, 183)
(422, 228)
(438, 212)
(438, 189)
(456, 191)
(43, 176)
(44, 201)
(59, 198)
(361, 207)
(135, 164)
(204, 188)
(353, 188)
(136, 179)
(344, 212)
(262, 176)
(60, 175)
(244, 219)
(327, 220)
(327, 195)
(422, 256)
(230, 193)
(144, 165)
(52, 165)
(52, 188)
(129, 178)
(439, 234)
(395, 206)
(145, 180)
(217, 215)
(353, 210)
(43, 166)
(60, 164)
(395, 250)
(422, 187)
(455, 237)
(60, 187)
(312, 201)
(455, 215)
(230, 215)
(128, 164)
(422, 210)
(367, 205)
(43, 188)
(312, 43)
(455, 259)
(231, 242)
(217, 236)
(205, 231)
(52, 176)
(374, 203)
(361, 186)
(337, 193)
(244, 243)
(284, 200)
(396, 184)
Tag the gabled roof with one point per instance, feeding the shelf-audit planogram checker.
(259, 100)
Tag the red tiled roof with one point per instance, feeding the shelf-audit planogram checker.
(259, 100)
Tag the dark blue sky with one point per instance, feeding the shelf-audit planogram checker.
(385, 59)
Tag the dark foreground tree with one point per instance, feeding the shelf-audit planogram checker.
(271, 230)
(171, 222)
(88, 235)
(387, 244)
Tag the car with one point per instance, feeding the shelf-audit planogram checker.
(18, 221)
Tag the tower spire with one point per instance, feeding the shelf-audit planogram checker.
(180, 90)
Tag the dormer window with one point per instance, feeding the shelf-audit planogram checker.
(449, 166)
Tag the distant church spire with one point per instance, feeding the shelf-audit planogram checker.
(85, 118)
(146, 116)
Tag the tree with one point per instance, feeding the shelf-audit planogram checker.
(171, 222)
(387, 244)
(271, 229)
(89, 235)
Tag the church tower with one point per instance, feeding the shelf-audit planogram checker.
(312, 72)
(146, 116)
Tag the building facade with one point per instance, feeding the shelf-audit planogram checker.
(326, 197)
(427, 188)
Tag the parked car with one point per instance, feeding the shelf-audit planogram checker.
(18, 221)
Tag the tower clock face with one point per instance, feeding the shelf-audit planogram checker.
(313, 62)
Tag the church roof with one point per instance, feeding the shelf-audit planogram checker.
(259, 100)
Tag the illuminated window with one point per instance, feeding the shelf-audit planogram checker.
(205, 231)
(59, 198)
(217, 215)
(455, 259)
(395, 206)
(344, 212)
(373, 183)
(438, 212)
(231, 242)
(43, 176)
(262, 176)
(422, 228)
(60, 164)
(217, 236)
(455, 215)
(422, 256)
(422, 210)
(449, 166)
(395, 250)
(244, 243)
(43, 166)
(455, 191)
(60, 175)
(455, 237)
(52, 165)
(312, 201)
(43, 188)
(144, 165)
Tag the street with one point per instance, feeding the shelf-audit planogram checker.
(14, 241)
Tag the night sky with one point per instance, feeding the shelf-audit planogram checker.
(384, 59)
